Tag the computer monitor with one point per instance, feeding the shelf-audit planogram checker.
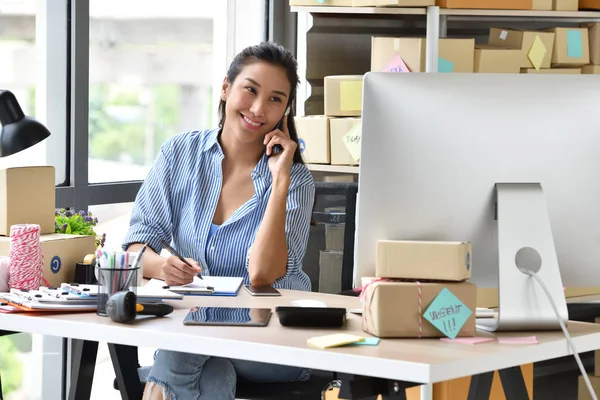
(438, 150)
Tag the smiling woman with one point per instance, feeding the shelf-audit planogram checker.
(233, 206)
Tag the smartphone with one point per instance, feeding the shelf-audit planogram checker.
(262, 290)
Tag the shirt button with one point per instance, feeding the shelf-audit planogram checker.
(212, 248)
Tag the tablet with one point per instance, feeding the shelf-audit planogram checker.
(228, 316)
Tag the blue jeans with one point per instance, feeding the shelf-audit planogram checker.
(184, 376)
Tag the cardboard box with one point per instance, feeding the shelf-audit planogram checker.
(488, 4)
(589, 4)
(405, 3)
(582, 389)
(523, 40)
(338, 127)
(408, 259)
(455, 55)
(571, 47)
(591, 69)
(551, 71)
(542, 5)
(391, 308)
(61, 253)
(565, 5)
(343, 95)
(594, 39)
(327, 3)
(330, 271)
(27, 196)
(313, 138)
(497, 60)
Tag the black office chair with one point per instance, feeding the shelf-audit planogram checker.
(327, 195)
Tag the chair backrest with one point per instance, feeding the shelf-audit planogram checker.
(330, 254)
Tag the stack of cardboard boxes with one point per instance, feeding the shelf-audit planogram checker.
(558, 50)
(27, 196)
(334, 138)
(420, 291)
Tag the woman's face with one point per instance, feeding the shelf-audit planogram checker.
(256, 101)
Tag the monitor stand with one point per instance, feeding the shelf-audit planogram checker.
(525, 242)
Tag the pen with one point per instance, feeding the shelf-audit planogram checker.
(176, 254)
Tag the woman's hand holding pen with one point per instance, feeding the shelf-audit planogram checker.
(177, 273)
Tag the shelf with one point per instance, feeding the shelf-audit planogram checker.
(361, 10)
(344, 169)
(518, 13)
(448, 12)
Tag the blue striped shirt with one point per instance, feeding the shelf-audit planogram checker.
(178, 199)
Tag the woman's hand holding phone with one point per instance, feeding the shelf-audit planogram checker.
(177, 273)
(281, 162)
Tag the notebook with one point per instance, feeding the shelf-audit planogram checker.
(221, 286)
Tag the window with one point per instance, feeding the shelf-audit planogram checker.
(154, 72)
(26, 34)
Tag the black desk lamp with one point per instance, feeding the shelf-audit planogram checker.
(17, 131)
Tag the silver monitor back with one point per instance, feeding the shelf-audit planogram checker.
(434, 146)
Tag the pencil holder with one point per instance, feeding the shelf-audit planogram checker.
(113, 280)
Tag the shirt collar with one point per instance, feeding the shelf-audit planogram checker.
(212, 139)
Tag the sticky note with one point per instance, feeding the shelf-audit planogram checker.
(447, 313)
(503, 35)
(445, 65)
(537, 52)
(370, 341)
(518, 340)
(396, 64)
(351, 95)
(574, 44)
(352, 141)
(468, 340)
(334, 340)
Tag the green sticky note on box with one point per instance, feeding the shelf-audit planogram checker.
(447, 313)
(574, 43)
(445, 65)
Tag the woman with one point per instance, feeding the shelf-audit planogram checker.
(237, 201)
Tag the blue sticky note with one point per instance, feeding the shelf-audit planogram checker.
(445, 65)
(574, 44)
(369, 341)
(447, 313)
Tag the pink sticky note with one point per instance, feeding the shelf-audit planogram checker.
(469, 340)
(396, 64)
(518, 340)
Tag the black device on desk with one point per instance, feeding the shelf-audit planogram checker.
(316, 317)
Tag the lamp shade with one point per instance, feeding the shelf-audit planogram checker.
(17, 131)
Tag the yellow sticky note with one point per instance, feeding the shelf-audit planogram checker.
(334, 340)
(351, 95)
(352, 141)
(537, 52)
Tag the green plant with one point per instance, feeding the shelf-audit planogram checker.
(11, 368)
(77, 223)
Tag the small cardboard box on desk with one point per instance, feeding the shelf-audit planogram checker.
(61, 254)
(27, 196)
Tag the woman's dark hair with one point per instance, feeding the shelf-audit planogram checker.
(276, 55)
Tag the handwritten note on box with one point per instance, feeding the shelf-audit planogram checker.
(447, 313)
(352, 141)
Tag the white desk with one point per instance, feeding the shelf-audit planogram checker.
(413, 360)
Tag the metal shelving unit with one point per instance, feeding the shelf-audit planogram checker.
(436, 27)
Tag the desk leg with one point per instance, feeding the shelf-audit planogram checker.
(512, 380)
(125, 364)
(481, 386)
(367, 388)
(513, 384)
(427, 391)
(84, 363)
